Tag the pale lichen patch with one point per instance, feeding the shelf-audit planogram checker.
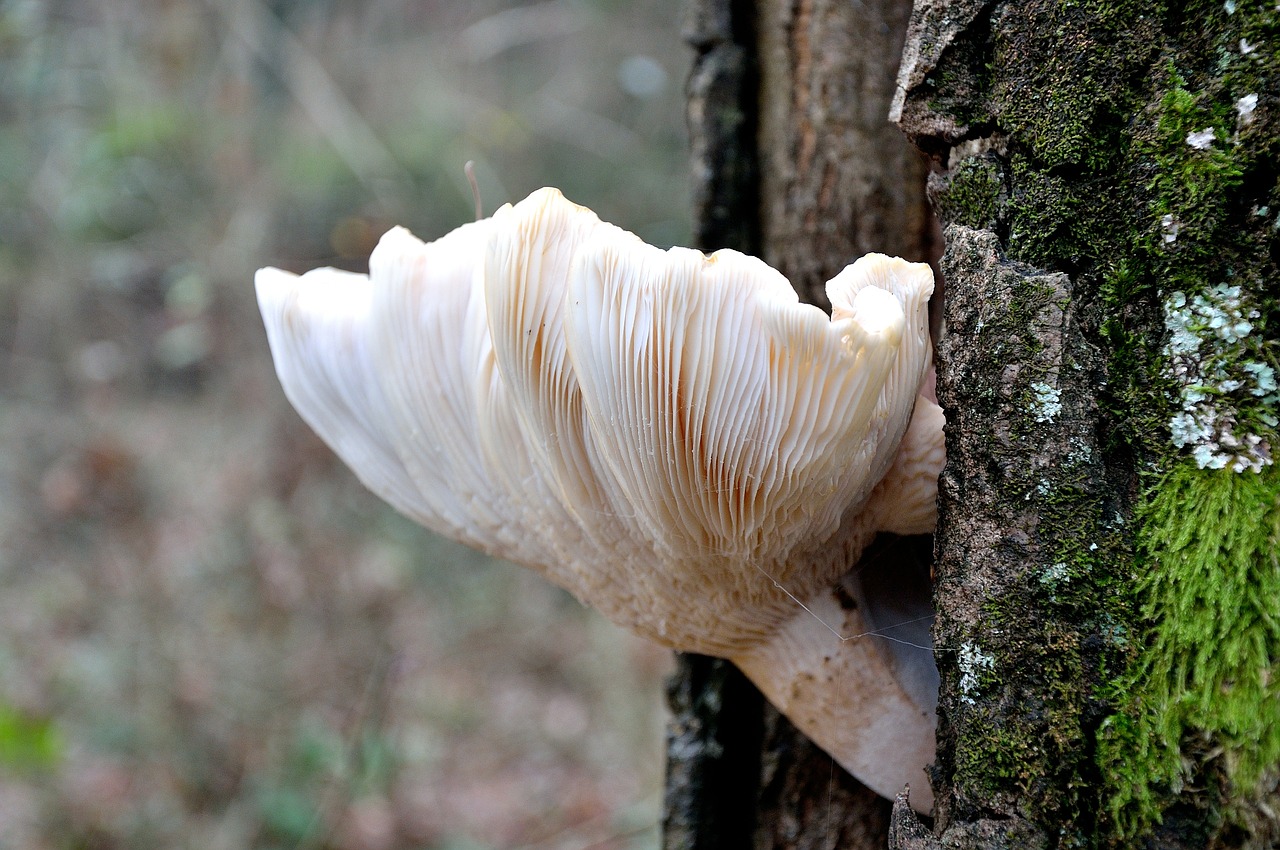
(1047, 402)
(973, 663)
(1201, 140)
(1209, 348)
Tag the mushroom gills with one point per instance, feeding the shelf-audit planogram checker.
(672, 437)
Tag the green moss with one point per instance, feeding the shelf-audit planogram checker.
(1139, 386)
(1189, 733)
(962, 80)
(1192, 187)
(1207, 676)
(996, 762)
(1162, 629)
(974, 194)
(1027, 756)
(1197, 724)
(1163, 635)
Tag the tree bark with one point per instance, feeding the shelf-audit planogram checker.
(794, 160)
(1106, 174)
(1105, 569)
(838, 180)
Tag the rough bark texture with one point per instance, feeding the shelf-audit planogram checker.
(723, 116)
(838, 180)
(807, 801)
(713, 756)
(793, 160)
(1094, 160)
(1024, 489)
(713, 738)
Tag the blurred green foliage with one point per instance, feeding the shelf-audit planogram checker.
(27, 743)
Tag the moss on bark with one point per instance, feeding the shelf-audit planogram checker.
(1201, 700)
(1135, 149)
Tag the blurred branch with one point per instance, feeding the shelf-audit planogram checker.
(586, 130)
(501, 31)
(318, 95)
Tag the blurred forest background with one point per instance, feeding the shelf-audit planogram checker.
(211, 636)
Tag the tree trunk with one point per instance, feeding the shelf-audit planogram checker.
(1106, 577)
(794, 160)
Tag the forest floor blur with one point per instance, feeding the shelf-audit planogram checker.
(211, 636)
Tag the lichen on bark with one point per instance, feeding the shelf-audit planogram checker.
(1028, 515)
(1133, 148)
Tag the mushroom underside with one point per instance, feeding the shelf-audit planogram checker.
(672, 437)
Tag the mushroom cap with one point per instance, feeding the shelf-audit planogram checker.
(671, 436)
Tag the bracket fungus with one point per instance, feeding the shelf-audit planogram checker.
(672, 437)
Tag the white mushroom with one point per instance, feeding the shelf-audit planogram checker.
(672, 437)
